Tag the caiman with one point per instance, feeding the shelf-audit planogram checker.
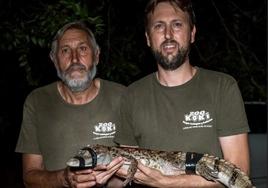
(167, 162)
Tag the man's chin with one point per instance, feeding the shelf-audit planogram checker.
(77, 75)
(78, 85)
(169, 56)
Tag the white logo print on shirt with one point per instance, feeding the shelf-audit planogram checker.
(197, 119)
(104, 130)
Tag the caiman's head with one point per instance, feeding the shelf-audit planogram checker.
(89, 157)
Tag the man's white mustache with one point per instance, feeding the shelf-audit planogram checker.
(75, 66)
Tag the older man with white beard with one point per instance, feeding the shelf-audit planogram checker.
(62, 117)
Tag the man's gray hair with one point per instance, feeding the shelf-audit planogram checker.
(73, 25)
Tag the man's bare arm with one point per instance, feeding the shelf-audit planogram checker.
(236, 150)
(34, 174)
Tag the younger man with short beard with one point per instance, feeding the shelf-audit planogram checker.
(181, 107)
(62, 117)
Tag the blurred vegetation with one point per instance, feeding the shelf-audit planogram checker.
(231, 37)
(32, 28)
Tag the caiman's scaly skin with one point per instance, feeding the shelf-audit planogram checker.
(169, 163)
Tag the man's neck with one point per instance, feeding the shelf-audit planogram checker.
(82, 97)
(176, 77)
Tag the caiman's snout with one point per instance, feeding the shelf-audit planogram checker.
(85, 158)
(93, 157)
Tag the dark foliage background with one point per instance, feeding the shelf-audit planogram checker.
(231, 37)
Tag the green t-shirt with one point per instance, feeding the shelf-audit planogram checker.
(189, 117)
(56, 130)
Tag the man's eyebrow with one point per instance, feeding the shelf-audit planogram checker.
(84, 42)
(162, 21)
(64, 45)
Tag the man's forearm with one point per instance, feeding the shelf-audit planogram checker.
(45, 179)
(188, 181)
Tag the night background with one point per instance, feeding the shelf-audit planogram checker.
(231, 37)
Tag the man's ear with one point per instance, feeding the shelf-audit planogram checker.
(53, 59)
(97, 56)
(51, 56)
(147, 39)
(193, 34)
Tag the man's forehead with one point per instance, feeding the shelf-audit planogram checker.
(74, 35)
(164, 5)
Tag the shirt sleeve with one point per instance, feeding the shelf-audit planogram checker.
(27, 141)
(231, 115)
(125, 133)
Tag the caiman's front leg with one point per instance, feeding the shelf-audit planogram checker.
(131, 171)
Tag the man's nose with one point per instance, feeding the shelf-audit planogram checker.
(168, 32)
(74, 56)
